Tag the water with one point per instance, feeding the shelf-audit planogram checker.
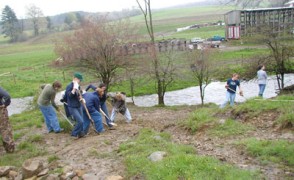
(215, 93)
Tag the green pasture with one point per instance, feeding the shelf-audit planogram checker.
(163, 14)
(180, 161)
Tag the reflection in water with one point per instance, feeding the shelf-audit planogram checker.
(215, 93)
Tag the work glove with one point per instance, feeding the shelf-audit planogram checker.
(76, 85)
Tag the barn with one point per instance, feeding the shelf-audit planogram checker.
(246, 22)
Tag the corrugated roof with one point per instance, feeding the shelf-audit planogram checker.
(260, 9)
(290, 2)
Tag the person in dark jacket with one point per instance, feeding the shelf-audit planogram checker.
(5, 127)
(119, 106)
(93, 107)
(73, 98)
(102, 99)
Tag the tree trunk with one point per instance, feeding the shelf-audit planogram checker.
(160, 93)
(201, 94)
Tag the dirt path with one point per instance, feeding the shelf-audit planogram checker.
(98, 154)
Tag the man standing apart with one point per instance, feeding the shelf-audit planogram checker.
(231, 87)
(73, 98)
(261, 79)
(5, 127)
(46, 103)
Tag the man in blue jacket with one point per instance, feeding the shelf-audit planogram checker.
(93, 107)
(5, 127)
(73, 98)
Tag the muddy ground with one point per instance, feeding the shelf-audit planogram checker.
(98, 154)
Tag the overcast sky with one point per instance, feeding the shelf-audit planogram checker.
(53, 7)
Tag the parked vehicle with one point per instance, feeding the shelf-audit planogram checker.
(212, 43)
(216, 38)
(197, 40)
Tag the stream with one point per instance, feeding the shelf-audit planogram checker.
(215, 92)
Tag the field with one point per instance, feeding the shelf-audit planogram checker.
(29, 63)
(252, 140)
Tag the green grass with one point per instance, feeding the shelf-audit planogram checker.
(200, 118)
(229, 128)
(278, 151)
(284, 108)
(180, 162)
(52, 158)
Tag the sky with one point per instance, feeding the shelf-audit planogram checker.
(54, 7)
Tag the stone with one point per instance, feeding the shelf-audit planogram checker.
(80, 173)
(222, 121)
(53, 177)
(31, 168)
(157, 156)
(70, 175)
(32, 178)
(114, 178)
(157, 137)
(13, 174)
(4, 170)
(67, 169)
(90, 176)
(44, 172)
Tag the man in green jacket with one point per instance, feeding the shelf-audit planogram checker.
(46, 104)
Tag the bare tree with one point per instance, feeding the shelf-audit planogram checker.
(159, 76)
(281, 48)
(35, 14)
(201, 68)
(97, 46)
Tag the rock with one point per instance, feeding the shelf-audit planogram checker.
(70, 175)
(4, 170)
(31, 168)
(222, 121)
(32, 178)
(53, 177)
(114, 178)
(13, 174)
(43, 173)
(90, 177)
(67, 169)
(157, 156)
(75, 178)
(157, 137)
(80, 173)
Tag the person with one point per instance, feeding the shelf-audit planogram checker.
(231, 87)
(102, 99)
(73, 97)
(261, 79)
(68, 115)
(119, 106)
(46, 97)
(5, 127)
(93, 107)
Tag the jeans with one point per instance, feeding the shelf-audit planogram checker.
(261, 89)
(127, 115)
(50, 117)
(104, 109)
(97, 122)
(230, 97)
(77, 114)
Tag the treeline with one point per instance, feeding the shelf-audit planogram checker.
(20, 29)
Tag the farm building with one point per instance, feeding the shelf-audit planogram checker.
(245, 22)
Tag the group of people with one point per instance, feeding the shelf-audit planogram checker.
(85, 108)
(81, 107)
(234, 82)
